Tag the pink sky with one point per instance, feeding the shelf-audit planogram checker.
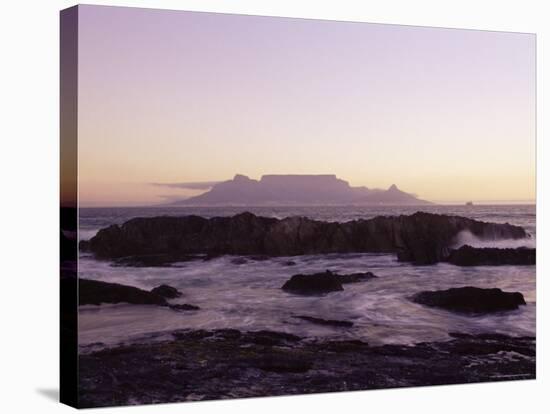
(170, 96)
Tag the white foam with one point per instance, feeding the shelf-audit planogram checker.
(467, 238)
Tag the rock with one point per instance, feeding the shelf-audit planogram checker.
(421, 238)
(95, 292)
(326, 322)
(184, 307)
(356, 277)
(471, 299)
(472, 256)
(270, 338)
(313, 284)
(283, 363)
(289, 263)
(166, 291)
(216, 365)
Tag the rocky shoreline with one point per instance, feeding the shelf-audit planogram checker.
(420, 238)
(188, 365)
(227, 363)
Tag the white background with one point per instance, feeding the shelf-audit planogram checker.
(29, 205)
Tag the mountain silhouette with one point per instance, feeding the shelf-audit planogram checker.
(294, 189)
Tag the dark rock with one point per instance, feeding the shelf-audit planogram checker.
(289, 263)
(471, 299)
(239, 260)
(313, 284)
(270, 338)
(472, 256)
(166, 291)
(356, 277)
(183, 307)
(94, 292)
(214, 365)
(283, 363)
(326, 322)
(422, 238)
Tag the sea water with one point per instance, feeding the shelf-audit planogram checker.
(248, 296)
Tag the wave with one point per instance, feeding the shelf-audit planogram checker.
(467, 238)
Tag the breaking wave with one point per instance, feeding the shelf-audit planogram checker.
(467, 238)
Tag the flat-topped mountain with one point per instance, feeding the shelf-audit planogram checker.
(296, 189)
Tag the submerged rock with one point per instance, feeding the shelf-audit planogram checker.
(421, 238)
(472, 256)
(95, 292)
(326, 322)
(313, 284)
(166, 291)
(471, 299)
(184, 307)
(356, 277)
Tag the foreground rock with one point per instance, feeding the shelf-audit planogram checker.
(471, 256)
(206, 365)
(471, 299)
(421, 238)
(314, 284)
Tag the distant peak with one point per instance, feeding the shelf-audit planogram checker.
(393, 187)
(240, 177)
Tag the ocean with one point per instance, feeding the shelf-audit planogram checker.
(247, 296)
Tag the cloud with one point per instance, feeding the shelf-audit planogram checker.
(200, 185)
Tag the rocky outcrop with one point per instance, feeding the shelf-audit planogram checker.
(471, 256)
(421, 238)
(95, 292)
(166, 291)
(314, 284)
(224, 363)
(471, 299)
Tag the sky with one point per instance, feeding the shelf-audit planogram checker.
(176, 97)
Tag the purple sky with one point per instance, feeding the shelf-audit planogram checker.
(170, 96)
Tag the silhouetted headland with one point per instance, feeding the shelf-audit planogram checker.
(297, 189)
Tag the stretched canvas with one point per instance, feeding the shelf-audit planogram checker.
(261, 206)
